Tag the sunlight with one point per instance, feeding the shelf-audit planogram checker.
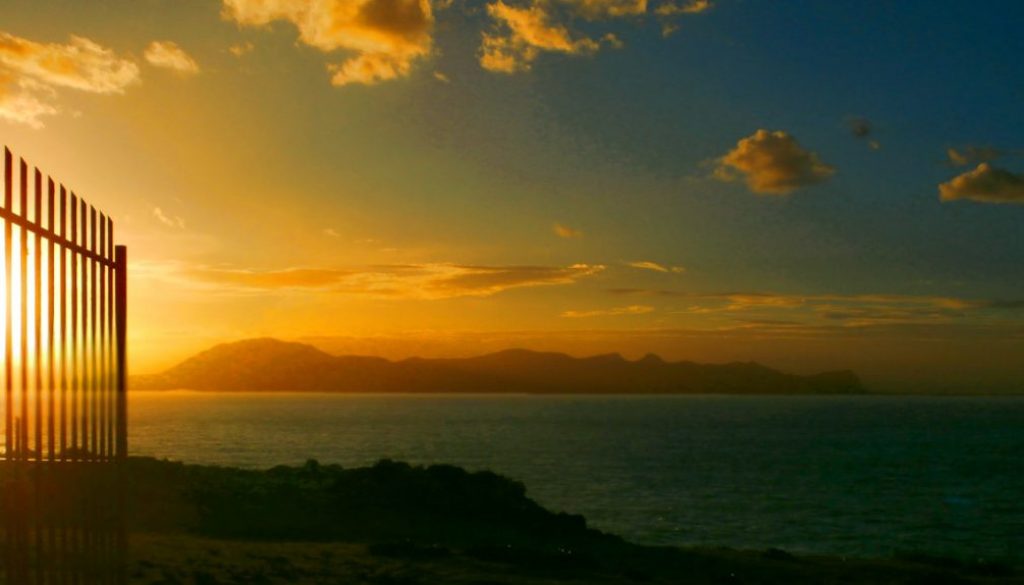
(57, 318)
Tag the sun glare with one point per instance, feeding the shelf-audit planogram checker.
(57, 321)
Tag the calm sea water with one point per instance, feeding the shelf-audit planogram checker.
(864, 476)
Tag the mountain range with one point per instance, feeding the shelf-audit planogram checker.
(270, 365)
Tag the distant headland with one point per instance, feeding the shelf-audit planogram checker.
(271, 365)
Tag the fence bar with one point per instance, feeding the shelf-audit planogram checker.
(63, 329)
(83, 215)
(101, 348)
(50, 378)
(23, 445)
(94, 377)
(111, 358)
(37, 392)
(8, 334)
(121, 322)
(73, 336)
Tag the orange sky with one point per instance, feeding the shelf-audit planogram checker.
(414, 177)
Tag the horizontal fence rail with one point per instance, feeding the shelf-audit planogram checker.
(64, 385)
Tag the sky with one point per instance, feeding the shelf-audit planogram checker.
(811, 185)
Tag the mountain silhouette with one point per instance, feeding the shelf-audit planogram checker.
(264, 365)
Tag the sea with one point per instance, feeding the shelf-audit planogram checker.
(858, 476)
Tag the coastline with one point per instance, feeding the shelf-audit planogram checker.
(397, 523)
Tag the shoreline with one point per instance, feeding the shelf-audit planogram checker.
(398, 523)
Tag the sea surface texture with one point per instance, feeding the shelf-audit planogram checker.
(862, 476)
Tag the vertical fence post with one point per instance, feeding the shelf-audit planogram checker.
(121, 307)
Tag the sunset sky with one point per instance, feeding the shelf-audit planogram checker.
(811, 185)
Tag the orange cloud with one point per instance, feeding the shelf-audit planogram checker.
(610, 8)
(415, 281)
(691, 7)
(387, 36)
(20, 104)
(985, 184)
(564, 231)
(969, 155)
(169, 55)
(630, 310)
(522, 34)
(169, 221)
(654, 266)
(241, 49)
(81, 64)
(31, 73)
(772, 163)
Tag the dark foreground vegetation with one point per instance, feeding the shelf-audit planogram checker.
(397, 524)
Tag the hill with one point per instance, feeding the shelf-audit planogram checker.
(273, 365)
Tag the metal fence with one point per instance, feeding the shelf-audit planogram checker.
(64, 385)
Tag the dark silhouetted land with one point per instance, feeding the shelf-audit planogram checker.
(396, 523)
(272, 365)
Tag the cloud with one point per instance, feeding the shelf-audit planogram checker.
(31, 73)
(331, 233)
(81, 64)
(168, 55)
(630, 310)
(415, 281)
(386, 36)
(169, 221)
(970, 155)
(20, 104)
(648, 265)
(442, 77)
(690, 7)
(564, 231)
(773, 163)
(859, 127)
(241, 49)
(862, 129)
(610, 8)
(520, 35)
(832, 310)
(985, 184)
